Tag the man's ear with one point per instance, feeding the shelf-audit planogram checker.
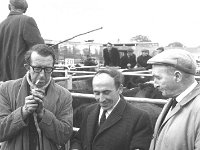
(27, 66)
(24, 11)
(121, 89)
(178, 76)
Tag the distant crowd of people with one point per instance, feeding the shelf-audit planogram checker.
(128, 60)
(36, 113)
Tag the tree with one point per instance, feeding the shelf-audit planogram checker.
(176, 44)
(140, 38)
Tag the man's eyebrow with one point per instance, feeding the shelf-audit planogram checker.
(101, 91)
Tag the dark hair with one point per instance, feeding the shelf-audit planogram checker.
(114, 73)
(41, 49)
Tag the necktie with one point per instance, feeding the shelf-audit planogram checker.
(103, 118)
(174, 102)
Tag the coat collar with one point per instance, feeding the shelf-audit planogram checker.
(112, 119)
(187, 99)
(92, 121)
(15, 13)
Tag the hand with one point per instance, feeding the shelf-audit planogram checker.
(129, 65)
(30, 105)
(38, 97)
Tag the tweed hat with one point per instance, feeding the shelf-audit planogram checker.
(19, 4)
(178, 58)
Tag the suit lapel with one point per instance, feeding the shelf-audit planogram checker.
(22, 92)
(114, 117)
(52, 95)
(91, 122)
(162, 116)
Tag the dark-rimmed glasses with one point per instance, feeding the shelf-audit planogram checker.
(39, 69)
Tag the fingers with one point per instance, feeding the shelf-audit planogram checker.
(40, 105)
(30, 108)
(30, 104)
(38, 93)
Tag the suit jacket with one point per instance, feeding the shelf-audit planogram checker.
(180, 128)
(111, 58)
(18, 33)
(142, 61)
(126, 128)
(125, 60)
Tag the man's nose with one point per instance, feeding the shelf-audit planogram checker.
(101, 97)
(42, 73)
(155, 84)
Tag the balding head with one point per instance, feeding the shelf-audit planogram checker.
(19, 4)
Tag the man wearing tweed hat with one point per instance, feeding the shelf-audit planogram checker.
(178, 126)
(18, 33)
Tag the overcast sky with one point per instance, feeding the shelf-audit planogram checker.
(163, 21)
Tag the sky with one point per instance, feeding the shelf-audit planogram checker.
(162, 21)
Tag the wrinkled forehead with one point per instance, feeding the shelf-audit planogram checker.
(38, 59)
(157, 69)
(103, 78)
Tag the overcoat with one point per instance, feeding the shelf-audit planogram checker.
(126, 128)
(125, 60)
(56, 124)
(112, 57)
(18, 33)
(180, 128)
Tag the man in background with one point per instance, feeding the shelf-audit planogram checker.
(18, 33)
(142, 59)
(128, 60)
(111, 56)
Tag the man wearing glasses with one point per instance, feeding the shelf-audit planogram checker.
(35, 112)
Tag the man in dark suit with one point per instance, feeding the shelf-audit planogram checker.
(142, 59)
(111, 56)
(18, 33)
(128, 60)
(112, 123)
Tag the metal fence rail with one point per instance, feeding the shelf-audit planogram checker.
(133, 99)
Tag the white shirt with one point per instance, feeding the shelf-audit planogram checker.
(108, 111)
(186, 92)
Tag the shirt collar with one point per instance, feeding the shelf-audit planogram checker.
(187, 91)
(108, 111)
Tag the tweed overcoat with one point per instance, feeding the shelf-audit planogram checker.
(56, 124)
(18, 33)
